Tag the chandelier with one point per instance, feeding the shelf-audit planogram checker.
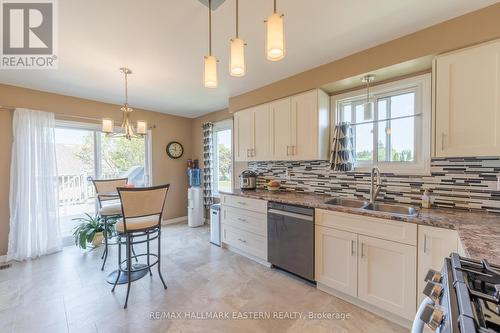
(127, 130)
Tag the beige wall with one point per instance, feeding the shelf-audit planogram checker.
(466, 30)
(168, 128)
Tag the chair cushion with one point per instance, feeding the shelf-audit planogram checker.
(111, 209)
(138, 223)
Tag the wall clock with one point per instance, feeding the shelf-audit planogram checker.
(175, 149)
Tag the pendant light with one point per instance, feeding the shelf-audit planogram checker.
(128, 130)
(210, 74)
(275, 38)
(237, 52)
(368, 105)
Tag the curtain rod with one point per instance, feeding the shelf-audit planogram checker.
(58, 115)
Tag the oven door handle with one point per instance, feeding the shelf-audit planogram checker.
(418, 324)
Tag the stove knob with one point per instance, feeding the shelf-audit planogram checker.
(433, 276)
(433, 290)
(432, 317)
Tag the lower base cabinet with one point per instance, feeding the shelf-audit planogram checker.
(372, 260)
(336, 263)
(387, 275)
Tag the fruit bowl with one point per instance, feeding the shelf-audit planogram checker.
(273, 185)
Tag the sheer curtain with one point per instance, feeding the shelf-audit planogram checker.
(34, 220)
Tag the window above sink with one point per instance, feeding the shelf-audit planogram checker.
(396, 136)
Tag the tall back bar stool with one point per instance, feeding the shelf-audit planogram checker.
(142, 210)
(109, 206)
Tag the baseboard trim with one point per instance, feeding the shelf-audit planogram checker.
(356, 301)
(174, 220)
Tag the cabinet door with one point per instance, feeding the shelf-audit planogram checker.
(434, 244)
(387, 275)
(468, 102)
(282, 126)
(304, 126)
(336, 259)
(243, 134)
(263, 134)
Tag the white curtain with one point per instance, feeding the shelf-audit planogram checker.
(34, 219)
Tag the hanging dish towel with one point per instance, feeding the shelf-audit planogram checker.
(341, 156)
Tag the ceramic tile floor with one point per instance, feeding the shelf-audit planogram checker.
(67, 292)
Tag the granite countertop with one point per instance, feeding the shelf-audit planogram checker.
(479, 232)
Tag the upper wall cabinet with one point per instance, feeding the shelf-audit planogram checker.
(253, 134)
(292, 128)
(467, 97)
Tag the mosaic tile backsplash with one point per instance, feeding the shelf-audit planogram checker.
(466, 183)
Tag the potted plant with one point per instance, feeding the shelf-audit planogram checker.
(91, 230)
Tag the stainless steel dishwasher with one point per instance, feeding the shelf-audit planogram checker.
(290, 239)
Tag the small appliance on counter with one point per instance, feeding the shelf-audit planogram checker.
(248, 180)
(195, 195)
(463, 298)
(215, 225)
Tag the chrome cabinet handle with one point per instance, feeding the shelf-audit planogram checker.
(242, 203)
(362, 250)
(352, 247)
(443, 135)
(242, 220)
(287, 150)
(242, 240)
(425, 243)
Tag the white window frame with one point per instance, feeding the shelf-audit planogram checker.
(421, 85)
(222, 125)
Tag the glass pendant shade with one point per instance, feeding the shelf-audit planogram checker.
(210, 76)
(237, 59)
(107, 126)
(275, 38)
(142, 127)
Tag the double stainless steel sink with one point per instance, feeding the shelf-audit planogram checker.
(375, 207)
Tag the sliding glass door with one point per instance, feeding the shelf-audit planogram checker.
(83, 154)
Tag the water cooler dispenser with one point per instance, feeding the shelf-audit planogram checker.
(195, 198)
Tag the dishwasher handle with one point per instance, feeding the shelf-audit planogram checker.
(294, 215)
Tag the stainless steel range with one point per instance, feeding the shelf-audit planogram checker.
(464, 297)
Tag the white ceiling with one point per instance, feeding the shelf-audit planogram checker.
(164, 41)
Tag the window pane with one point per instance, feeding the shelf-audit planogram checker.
(346, 115)
(364, 142)
(403, 105)
(397, 140)
(382, 109)
(383, 141)
(123, 158)
(224, 157)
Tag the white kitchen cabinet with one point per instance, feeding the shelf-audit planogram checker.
(292, 128)
(310, 125)
(262, 149)
(467, 102)
(243, 135)
(336, 259)
(282, 127)
(386, 275)
(244, 226)
(434, 244)
(253, 134)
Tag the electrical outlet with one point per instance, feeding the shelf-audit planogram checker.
(287, 174)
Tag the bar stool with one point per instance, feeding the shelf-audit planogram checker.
(142, 209)
(109, 207)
